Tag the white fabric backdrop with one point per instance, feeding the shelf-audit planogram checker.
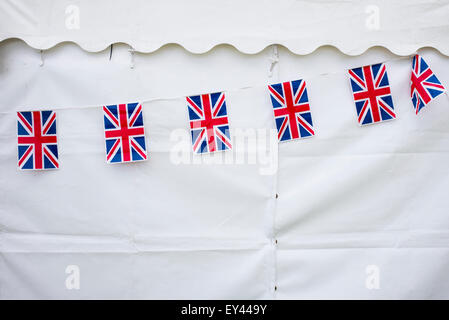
(349, 197)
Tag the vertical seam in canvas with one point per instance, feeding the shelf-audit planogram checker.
(274, 73)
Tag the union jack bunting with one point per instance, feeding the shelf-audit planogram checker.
(372, 94)
(425, 86)
(124, 133)
(209, 122)
(291, 110)
(37, 140)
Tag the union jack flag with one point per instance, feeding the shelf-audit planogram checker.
(425, 85)
(372, 94)
(209, 122)
(37, 140)
(124, 133)
(291, 110)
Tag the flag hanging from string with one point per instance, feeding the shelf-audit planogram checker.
(124, 133)
(372, 94)
(209, 125)
(291, 110)
(37, 140)
(424, 84)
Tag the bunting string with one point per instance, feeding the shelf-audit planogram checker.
(124, 129)
(168, 98)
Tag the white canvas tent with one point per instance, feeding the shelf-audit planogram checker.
(353, 212)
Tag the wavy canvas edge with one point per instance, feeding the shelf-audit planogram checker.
(400, 50)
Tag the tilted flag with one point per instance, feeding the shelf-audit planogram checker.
(372, 94)
(425, 85)
(209, 125)
(124, 133)
(37, 140)
(291, 110)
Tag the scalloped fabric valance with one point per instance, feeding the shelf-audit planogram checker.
(250, 26)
